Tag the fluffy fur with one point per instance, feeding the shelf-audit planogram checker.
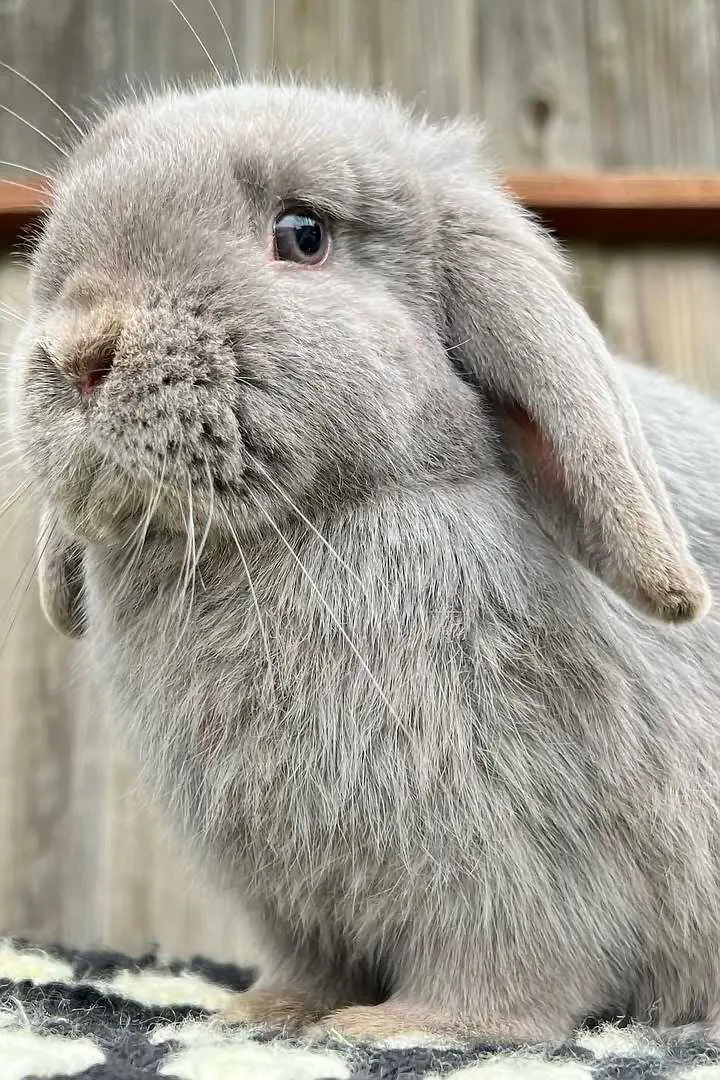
(359, 551)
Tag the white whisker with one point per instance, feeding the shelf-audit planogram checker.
(6, 307)
(48, 97)
(26, 169)
(305, 572)
(227, 36)
(8, 458)
(25, 187)
(256, 604)
(197, 37)
(32, 565)
(139, 533)
(20, 491)
(273, 43)
(208, 526)
(184, 569)
(193, 564)
(186, 578)
(457, 345)
(55, 145)
(326, 543)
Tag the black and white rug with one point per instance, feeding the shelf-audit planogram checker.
(105, 1016)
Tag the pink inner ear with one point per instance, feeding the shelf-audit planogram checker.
(534, 448)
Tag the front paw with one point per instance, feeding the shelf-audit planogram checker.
(408, 1021)
(267, 1007)
(375, 1023)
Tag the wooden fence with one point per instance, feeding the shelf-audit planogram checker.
(585, 86)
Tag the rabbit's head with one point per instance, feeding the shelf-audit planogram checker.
(256, 300)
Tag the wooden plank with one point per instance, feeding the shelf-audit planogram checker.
(654, 83)
(529, 82)
(541, 190)
(609, 207)
(624, 208)
(619, 191)
(36, 733)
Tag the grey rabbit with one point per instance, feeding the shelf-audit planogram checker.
(396, 581)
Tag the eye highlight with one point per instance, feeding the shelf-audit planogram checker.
(300, 236)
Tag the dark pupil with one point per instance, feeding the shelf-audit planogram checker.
(308, 235)
(298, 237)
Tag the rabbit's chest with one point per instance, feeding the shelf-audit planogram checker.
(256, 760)
(286, 815)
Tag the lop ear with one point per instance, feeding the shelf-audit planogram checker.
(516, 332)
(62, 578)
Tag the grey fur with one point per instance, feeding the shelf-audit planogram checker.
(62, 578)
(441, 761)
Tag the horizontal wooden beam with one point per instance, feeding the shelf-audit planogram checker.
(609, 207)
(629, 208)
(22, 200)
(617, 191)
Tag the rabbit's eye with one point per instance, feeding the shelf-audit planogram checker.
(300, 237)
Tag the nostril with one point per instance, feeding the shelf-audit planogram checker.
(86, 343)
(93, 368)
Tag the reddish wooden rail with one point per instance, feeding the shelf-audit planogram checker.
(605, 207)
(624, 207)
(21, 201)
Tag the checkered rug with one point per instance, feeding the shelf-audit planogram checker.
(105, 1016)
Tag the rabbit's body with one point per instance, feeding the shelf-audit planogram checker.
(539, 780)
(335, 540)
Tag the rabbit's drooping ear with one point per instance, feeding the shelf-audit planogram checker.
(61, 576)
(518, 334)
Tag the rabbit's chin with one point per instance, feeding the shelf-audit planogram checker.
(110, 510)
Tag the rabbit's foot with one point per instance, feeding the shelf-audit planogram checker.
(396, 1019)
(393, 1019)
(270, 1007)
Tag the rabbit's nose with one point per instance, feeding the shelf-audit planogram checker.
(90, 346)
(93, 367)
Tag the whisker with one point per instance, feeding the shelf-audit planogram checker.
(144, 523)
(26, 169)
(33, 565)
(193, 565)
(325, 542)
(139, 536)
(457, 345)
(191, 534)
(216, 13)
(186, 578)
(5, 310)
(42, 134)
(305, 572)
(20, 491)
(208, 526)
(10, 453)
(273, 40)
(48, 97)
(23, 187)
(197, 37)
(183, 576)
(256, 604)
(8, 460)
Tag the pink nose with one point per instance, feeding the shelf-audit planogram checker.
(93, 369)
